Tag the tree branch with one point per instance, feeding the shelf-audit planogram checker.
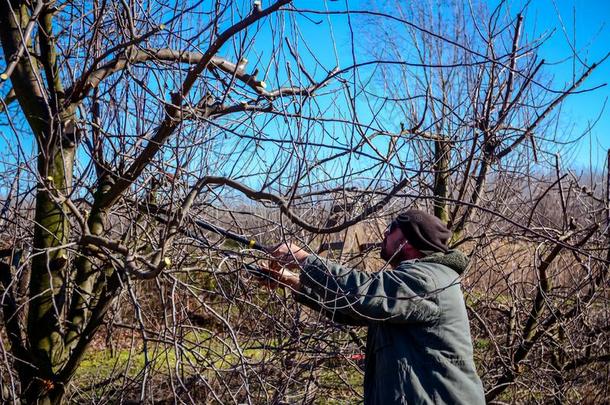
(530, 129)
(170, 122)
(27, 32)
(529, 334)
(284, 206)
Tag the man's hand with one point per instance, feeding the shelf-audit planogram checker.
(285, 257)
(280, 277)
(288, 255)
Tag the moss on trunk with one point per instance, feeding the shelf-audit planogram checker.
(50, 263)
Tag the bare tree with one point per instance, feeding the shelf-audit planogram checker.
(125, 123)
(128, 123)
(109, 109)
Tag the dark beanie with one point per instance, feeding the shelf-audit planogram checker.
(424, 231)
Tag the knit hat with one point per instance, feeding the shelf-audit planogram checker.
(424, 231)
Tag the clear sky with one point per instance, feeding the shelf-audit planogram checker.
(572, 25)
(582, 25)
(588, 22)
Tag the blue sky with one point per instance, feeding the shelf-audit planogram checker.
(590, 21)
(583, 26)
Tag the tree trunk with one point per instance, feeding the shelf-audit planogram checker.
(442, 157)
(49, 264)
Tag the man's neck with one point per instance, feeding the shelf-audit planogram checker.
(408, 252)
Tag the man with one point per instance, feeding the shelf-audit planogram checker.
(418, 347)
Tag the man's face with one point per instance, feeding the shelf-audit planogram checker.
(393, 242)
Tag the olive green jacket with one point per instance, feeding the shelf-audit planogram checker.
(418, 349)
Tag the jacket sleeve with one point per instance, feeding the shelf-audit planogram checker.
(403, 295)
(309, 299)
